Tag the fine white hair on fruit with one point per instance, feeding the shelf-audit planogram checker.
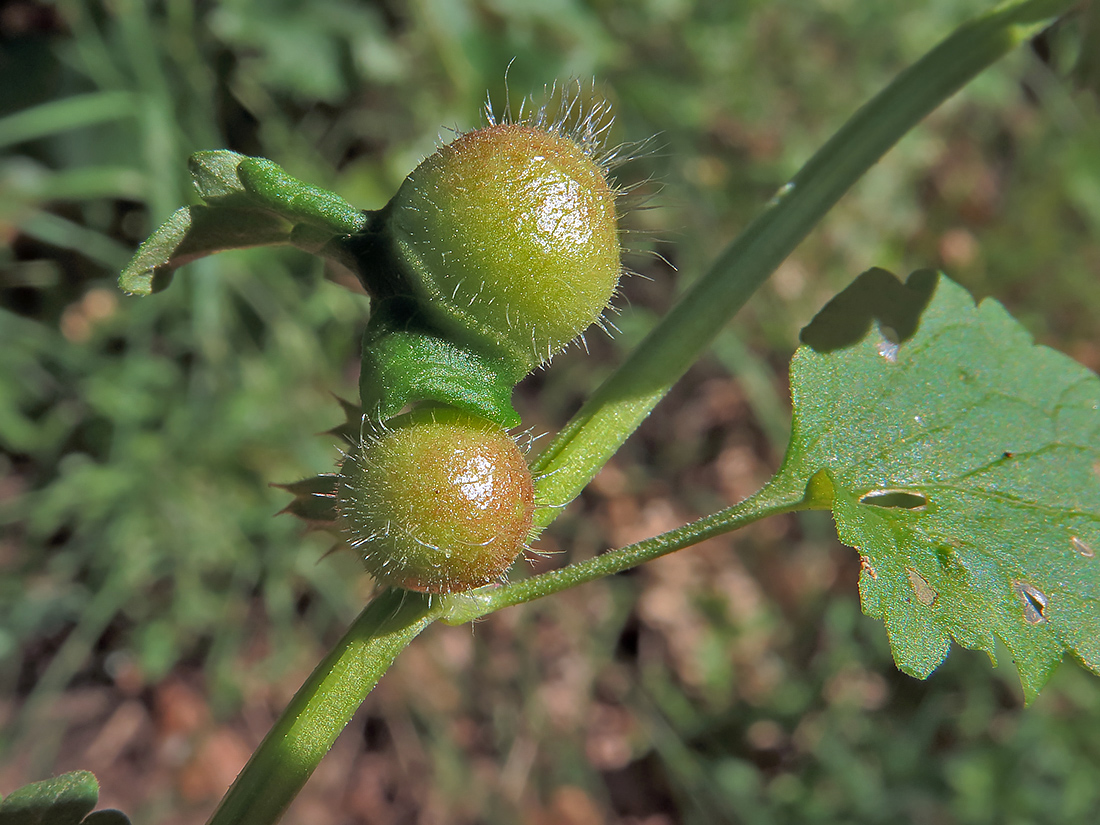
(509, 236)
(437, 500)
(578, 111)
(567, 109)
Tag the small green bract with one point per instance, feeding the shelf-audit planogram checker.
(510, 238)
(437, 500)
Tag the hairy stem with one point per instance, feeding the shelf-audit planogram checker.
(775, 498)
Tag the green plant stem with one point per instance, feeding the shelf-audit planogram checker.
(620, 404)
(322, 708)
(778, 496)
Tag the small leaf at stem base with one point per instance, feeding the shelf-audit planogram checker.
(62, 800)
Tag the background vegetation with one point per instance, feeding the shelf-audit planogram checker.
(154, 616)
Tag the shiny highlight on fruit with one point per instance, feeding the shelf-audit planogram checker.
(509, 234)
(436, 500)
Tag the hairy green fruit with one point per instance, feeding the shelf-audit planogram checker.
(510, 239)
(439, 501)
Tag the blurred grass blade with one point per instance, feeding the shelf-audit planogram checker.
(62, 115)
(59, 232)
(1087, 70)
(89, 182)
(26, 181)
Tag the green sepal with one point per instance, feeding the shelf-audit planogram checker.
(314, 498)
(352, 424)
(403, 366)
(390, 271)
(271, 187)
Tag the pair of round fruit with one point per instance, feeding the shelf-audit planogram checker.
(504, 242)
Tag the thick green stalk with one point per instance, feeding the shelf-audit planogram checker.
(322, 708)
(620, 404)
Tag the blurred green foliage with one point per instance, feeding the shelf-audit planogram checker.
(138, 437)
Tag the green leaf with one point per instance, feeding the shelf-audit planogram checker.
(214, 174)
(63, 800)
(963, 462)
(249, 202)
(193, 232)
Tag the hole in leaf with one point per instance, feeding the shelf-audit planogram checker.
(1035, 602)
(894, 499)
(924, 592)
(1081, 547)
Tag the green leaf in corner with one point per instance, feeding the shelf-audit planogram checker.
(63, 800)
(962, 461)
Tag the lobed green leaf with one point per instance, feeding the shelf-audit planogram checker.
(963, 462)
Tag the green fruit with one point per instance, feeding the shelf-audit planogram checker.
(439, 501)
(509, 240)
